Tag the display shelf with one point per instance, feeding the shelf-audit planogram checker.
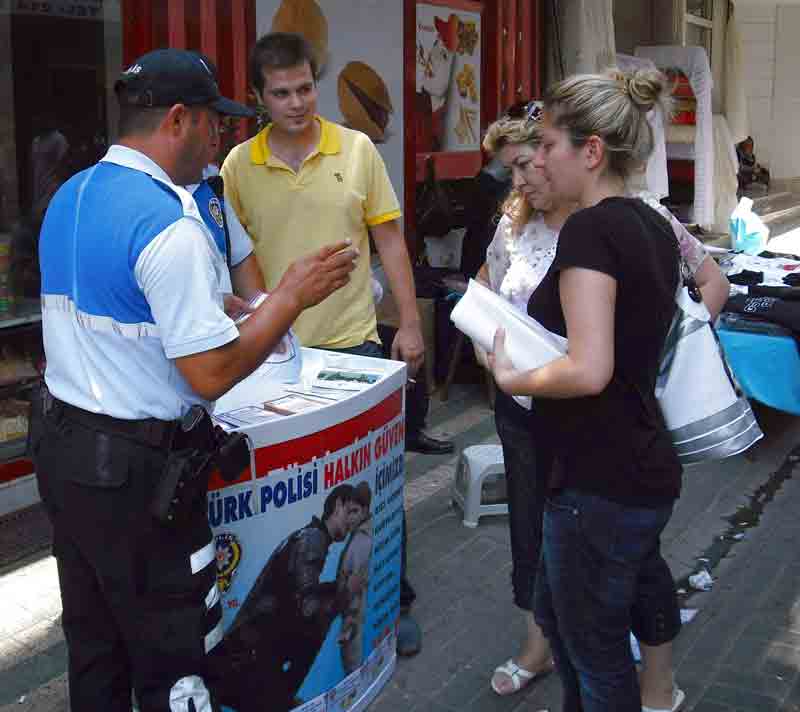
(12, 449)
(29, 311)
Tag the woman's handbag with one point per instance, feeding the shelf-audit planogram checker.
(705, 412)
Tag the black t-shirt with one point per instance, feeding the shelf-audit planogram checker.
(615, 444)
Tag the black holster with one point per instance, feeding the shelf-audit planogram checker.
(182, 489)
(183, 486)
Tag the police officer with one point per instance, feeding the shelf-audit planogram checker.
(137, 346)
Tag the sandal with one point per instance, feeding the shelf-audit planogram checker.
(520, 677)
(678, 698)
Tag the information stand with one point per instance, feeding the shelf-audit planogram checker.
(342, 424)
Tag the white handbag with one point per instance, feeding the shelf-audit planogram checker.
(706, 413)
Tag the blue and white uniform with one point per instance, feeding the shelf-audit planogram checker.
(139, 288)
(211, 209)
(131, 281)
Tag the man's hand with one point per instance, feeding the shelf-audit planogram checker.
(408, 346)
(316, 276)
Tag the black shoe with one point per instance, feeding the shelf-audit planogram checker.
(429, 446)
(409, 636)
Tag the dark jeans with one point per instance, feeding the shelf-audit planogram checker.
(602, 575)
(526, 482)
(373, 350)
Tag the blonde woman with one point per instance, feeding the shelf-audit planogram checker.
(519, 256)
(517, 259)
(610, 291)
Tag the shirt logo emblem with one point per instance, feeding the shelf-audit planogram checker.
(135, 69)
(215, 210)
(339, 177)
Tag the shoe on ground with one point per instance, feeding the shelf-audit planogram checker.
(520, 677)
(429, 446)
(409, 636)
(678, 698)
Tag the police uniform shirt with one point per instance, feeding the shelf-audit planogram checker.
(211, 209)
(130, 281)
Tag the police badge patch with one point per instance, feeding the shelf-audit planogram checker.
(228, 554)
(215, 210)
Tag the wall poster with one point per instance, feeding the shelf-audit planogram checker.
(359, 44)
(447, 111)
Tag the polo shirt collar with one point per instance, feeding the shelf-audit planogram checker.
(330, 142)
(131, 158)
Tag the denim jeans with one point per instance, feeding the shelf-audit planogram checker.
(526, 482)
(602, 575)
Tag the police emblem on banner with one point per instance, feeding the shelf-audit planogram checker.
(215, 210)
(228, 554)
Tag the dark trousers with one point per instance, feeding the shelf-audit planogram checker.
(373, 350)
(140, 606)
(417, 400)
(602, 576)
(527, 468)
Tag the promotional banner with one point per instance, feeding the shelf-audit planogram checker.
(448, 77)
(308, 550)
(359, 45)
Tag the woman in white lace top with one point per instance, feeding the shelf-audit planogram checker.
(517, 260)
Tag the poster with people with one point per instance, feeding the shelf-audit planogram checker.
(447, 111)
(308, 556)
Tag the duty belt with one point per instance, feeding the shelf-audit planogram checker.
(159, 434)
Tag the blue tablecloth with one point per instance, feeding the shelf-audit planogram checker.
(766, 366)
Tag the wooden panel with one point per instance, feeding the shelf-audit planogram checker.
(465, 5)
(409, 137)
(449, 165)
(240, 45)
(208, 29)
(508, 32)
(137, 29)
(176, 23)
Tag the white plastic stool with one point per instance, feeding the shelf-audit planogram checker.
(475, 464)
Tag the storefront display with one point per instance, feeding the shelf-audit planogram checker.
(346, 435)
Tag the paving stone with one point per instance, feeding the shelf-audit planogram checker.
(739, 698)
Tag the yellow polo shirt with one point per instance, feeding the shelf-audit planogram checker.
(340, 191)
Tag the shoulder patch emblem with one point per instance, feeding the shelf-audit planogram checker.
(215, 210)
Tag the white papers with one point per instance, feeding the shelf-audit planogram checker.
(480, 312)
(242, 417)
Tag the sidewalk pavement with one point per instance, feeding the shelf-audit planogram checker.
(741, 652)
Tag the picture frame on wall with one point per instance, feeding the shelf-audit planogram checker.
(448, 112)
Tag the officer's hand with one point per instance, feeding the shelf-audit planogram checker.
(235, 306)
(316, 276)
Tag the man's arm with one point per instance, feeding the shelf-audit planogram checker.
(247, 278)
(408, 345)
(306, 283)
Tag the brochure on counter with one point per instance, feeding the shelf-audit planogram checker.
(315, 383)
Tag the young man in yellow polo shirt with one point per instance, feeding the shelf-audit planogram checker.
(303, 180)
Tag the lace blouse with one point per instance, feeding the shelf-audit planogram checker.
(518, 263)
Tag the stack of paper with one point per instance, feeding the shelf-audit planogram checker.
(481, 312)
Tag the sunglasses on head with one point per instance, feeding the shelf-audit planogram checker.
(528, 110)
